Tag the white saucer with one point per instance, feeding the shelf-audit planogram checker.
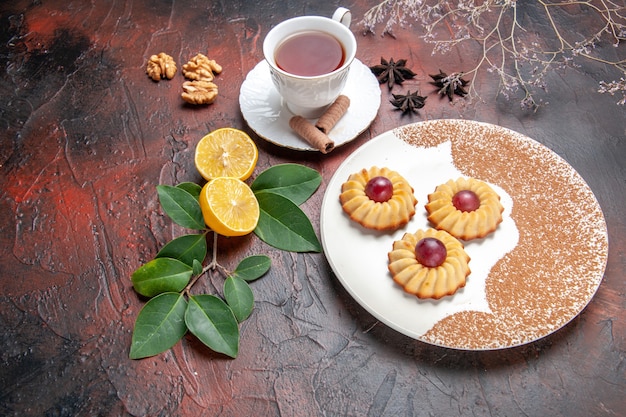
(263, 108)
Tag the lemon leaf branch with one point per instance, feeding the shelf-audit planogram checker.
(172, 310)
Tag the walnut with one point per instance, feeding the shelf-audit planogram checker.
(199, 92)
(201, 68)
(161, 66)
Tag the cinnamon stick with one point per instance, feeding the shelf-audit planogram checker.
(311, 134)
(331, 116)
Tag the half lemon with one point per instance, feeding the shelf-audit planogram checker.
(229, 206)
(226, 152)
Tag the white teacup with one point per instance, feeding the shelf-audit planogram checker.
(309, 96)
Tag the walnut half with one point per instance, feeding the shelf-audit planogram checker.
(161, 66)
(199, 92)
(201, 68)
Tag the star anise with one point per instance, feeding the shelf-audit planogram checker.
(392, 72)
(408, 102)
(450, 84)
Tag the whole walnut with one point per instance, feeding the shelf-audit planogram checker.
(201, 68)
(161, 66)
(199, 92)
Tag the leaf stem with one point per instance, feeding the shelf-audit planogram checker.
(192, 283)
(213, 263)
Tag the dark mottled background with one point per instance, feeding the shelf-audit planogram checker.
(86, 136)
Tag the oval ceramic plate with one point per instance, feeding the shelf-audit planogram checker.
(529, 278)
(265, 113)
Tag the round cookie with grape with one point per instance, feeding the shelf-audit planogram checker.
(466, 208)
(429, 263)
(378, 198)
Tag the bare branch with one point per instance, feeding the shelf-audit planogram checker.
(520, 60)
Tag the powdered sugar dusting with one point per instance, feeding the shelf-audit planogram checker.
(559, 261)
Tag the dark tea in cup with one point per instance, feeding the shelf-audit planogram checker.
(309, 54)
(309, 59)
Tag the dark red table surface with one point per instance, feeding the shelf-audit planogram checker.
(85, 138)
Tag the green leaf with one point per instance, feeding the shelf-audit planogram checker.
(186, 249)
(293, 181)
(239, 297)
(159, 325)
(161, 275)
(211, 320)
(252, 267)
(197, 267)
(181, 206)
(191, 187)
(284, 225)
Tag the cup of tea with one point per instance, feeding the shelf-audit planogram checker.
(309, 59)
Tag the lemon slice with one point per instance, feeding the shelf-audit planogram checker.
(229, 206)
(226, 152)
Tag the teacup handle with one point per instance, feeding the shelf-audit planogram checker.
(343, 16)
